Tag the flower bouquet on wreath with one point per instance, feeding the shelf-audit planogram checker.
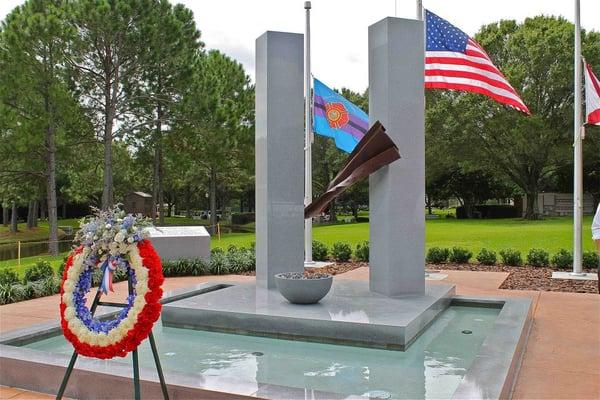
(109, 241)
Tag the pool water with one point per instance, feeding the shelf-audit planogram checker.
(431, 368)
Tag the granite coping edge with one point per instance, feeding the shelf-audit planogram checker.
(43, 330)
(501, 352)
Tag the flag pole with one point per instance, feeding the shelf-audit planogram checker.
(420, 10)
(308, 260)
(578, 154)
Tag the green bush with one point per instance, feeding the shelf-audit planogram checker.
(241, 260)
(11, 293)
(437, 255)
(590, 259)
(487, 257)
(319, 251)
(8, 276)
(460, 255)
(563, 259)
(362, 251)
(341, 251)
(40, 270)
(538, 258)
(219, 263)
(511, 257)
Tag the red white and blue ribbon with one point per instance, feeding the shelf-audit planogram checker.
(108, 269)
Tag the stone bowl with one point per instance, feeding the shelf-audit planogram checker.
(299, 288)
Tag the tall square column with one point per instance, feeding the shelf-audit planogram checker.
(397, 191)
(279, 161)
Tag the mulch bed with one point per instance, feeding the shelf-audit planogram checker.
(519, 278)
(528, 278)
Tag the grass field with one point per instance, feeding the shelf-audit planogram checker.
(550, 234)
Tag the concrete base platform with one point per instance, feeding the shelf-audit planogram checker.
(350, 314)
(569, 275)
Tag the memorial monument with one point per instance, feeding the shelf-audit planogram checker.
(390, 310)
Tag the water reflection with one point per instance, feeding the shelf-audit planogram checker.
(432, 367)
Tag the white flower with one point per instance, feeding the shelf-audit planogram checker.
(130, 240)
(119, 237)
(108, 226)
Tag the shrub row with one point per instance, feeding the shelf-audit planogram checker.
(563, 259)
(340, 251)
(39, 279)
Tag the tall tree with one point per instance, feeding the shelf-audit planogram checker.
(35, 98)
(218, 110)
(536, 56)
(106, 59)
(172, 42)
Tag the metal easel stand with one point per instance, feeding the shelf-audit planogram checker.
(136, 367)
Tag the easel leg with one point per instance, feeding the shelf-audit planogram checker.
(65, 380)
(161, 377)
(63, 385)
(136, 376)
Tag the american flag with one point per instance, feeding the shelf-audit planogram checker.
(455, 61)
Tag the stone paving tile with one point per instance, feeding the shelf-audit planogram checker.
(561, 361)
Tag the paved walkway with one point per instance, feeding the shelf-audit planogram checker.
(561, 361)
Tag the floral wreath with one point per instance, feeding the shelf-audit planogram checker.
(111, 241)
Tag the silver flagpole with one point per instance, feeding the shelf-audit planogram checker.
(420, 10)
(578, 156)
(308, 260)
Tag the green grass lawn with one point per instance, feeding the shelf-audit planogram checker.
(550, 234)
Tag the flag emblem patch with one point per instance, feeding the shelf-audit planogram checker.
(337, 115)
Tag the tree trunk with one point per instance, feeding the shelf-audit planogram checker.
(13, 218)
(43, 206)
(332, 211)
(111, 88)
(51, 191)
(5, 214)
(30, 214)
(188, 202)
(36, 210)
(355, 213)
(531, 211)
(213, 200)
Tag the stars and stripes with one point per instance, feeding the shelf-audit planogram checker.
(592, 96)
(455, 61)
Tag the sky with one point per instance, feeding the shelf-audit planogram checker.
(339, 27)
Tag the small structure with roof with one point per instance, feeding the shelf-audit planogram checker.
(138, 203)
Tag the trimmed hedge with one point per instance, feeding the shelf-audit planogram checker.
(243, 218)
(341, 251)
(460, 255)
(362, 251)
(319, 251)
(511, 257)
(489, 212)
(437, 255)
(563, 259)
(487, 257)
(538, 258)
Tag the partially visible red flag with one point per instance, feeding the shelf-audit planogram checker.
(592, 96)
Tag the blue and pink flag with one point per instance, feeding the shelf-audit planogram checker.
(337, 118)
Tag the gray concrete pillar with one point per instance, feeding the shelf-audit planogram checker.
(397, 191)
(279, 156)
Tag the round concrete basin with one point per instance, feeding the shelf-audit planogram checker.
(298, 288)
